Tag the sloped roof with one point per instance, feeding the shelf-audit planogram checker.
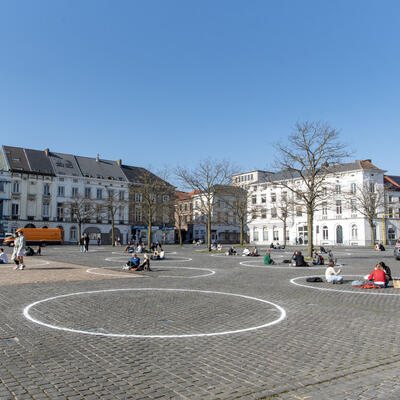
(101, 169)
(16, 159)
(392, 180)
(64, 164)
(182, 195)
(39, 162)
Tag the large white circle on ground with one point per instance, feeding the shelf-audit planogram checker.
(277, 266)
(362, 291)
(27, 309)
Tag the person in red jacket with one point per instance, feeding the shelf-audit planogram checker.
(377, 276)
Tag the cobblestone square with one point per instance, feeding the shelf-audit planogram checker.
(199, 326)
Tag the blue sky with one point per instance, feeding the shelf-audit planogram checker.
(167, 82)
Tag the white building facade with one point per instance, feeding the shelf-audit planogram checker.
(338, 220)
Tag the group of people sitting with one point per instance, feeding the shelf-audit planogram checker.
(276, 246)
(298, 259)
(248, 253)
(379, 247)
(30, 252)
(216, 247)
(134, 263)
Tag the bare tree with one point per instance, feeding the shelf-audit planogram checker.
(114, 204)
(152, 198)
(179, 220)
(284, 211)
(304, 163)
(207, 179)
(368, 200)
(81, 210)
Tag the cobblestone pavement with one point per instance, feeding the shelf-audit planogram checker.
(218, 335)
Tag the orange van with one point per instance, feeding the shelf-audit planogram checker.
(40, 236)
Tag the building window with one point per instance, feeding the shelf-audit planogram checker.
(138, 214)
(99, 194)
(87, 192)
(391, 234)
(165, 198)
(353, 206)
(46, 210)
(16, 187)
(60, 191)
(339, 207)
(263, 198)
(60, 212)
(353, 188)
(324, 208)
(284, 196)
(372, 187)
(2, 188)
(338, 189)
(121, 195)
(253, 199)
(138, 197)
(255, 234)
(273, 197)
(354, 232)
(72, 233)
(265, 234)
(274, 214)
(276, 234)
(325, 233)
(15, 209)
(324, 191)
(75, 192)
(264, 213)
(299, 211)
(390, 212)
(46, 189)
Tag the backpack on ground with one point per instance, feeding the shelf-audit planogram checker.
(314, 279)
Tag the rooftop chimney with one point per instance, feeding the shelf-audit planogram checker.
(47, 152)
(119, 162)
(98, 157)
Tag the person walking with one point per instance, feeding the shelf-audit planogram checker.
(82, 244)
(19, 251)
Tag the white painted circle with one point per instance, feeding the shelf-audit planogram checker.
(27, 315)
(27, 264)
(123, 258)
(247, 264)
(211, 272)
(369, 291)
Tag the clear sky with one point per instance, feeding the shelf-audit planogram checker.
(167, 82)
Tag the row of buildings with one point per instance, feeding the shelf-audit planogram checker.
(41, 188)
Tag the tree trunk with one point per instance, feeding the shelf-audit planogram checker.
(180, 235)
(310, 223)
(79, 231)
(371, 225)
(209, 230)
(112, 231)
(241, 233)
(284, 232)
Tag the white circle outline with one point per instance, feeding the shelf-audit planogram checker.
(41, 263)
(117, 259)
(245, 263)
(90, 271)
(120, 335)
(338, 290)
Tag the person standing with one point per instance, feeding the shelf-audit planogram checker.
(19, 250)
(86, 240)
(82, 244)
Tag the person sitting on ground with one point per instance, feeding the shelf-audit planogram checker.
(139, 249)
(213, 247)
(378, 277)
(232, 251)
(267, 258)
(254, 253)
(300, 262)
(277, 246)
(129, 248)
(29, 251)
(318, 259)
(162, 254)
(271, 246)
(145, 265)
(246, 252)
(381, 247)
(3, 257)
(155, 255)
(331, 275)
(219, 247)
(133, 263)
(387, 270)
(322, 250)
